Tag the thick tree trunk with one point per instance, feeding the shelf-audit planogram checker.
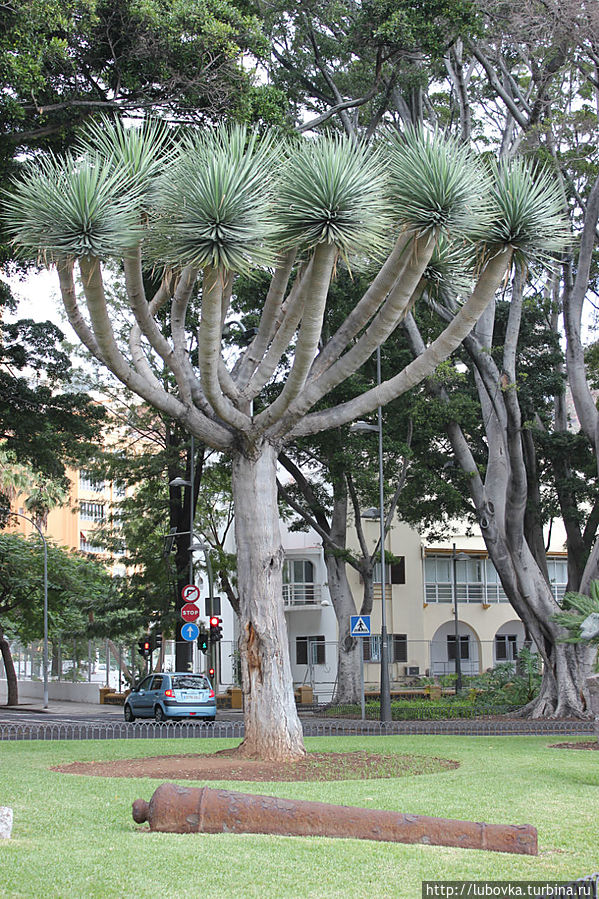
(272, 727)
(566, 666)
(11, 675)
(348, 648)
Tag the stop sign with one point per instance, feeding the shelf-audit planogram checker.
(190, 612)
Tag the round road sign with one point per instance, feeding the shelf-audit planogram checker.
(190, 593)
(190, 632)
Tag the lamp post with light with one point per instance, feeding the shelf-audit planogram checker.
(45, 650)
(183, 649)
(385, 713)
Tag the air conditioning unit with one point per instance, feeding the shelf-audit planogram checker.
(411, 670)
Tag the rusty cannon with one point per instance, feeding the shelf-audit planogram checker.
(180, 809)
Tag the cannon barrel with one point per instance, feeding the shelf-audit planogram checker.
(180, 809)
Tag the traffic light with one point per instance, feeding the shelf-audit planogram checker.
(211, 672)
(216, 631)
(145, 647)
(203, 640)
(158, 641)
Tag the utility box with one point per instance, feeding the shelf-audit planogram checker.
(305, 695)
(236, 697)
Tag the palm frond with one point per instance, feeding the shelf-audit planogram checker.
(71, 206)
(529, 212)
(332, 190)
(214, 202)
(437, 184)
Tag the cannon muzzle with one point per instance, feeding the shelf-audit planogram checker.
(180, 809)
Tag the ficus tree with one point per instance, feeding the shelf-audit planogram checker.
(222, 202)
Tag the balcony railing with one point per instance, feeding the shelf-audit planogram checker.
(302, 594)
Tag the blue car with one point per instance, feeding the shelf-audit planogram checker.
(172, 695)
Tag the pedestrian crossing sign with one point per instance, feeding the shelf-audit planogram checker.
(360, 625)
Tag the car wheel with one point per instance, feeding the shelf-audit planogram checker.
(159, 713)
(129, 716)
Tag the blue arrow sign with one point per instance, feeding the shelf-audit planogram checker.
(360, 625)
(190, 632)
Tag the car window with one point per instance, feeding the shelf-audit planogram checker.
(157, 682)
(190, 682)
(144, 684)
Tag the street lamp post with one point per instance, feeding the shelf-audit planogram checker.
(458, 649)
(182, 648)
(45, 651)
(205, 548)
(365, 426)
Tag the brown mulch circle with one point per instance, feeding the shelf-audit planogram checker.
(226, 765)
(591, 744)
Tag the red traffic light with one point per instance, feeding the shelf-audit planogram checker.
(146, 646)
(214, 621)
(211, 672)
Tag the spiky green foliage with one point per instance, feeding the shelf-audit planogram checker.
(530, 214)
(142, 152)
(450, 268)
(576, 612)
(333, 191)
(215, 201)
(437, 184)
(72, 206)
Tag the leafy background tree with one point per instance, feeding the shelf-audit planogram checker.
(78, 590)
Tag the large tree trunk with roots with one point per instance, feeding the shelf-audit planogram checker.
(12, 685)
(563, 692)
(502, 503)
(272, 727)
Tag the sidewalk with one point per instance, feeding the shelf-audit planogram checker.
(59, 707)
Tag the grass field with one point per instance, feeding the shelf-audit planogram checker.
(74, 836)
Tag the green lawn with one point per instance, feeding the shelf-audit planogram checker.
(75, 837)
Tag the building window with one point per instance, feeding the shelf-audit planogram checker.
(91, 511)
(310, 650)
(120, 488)
(86, 546)
(298, 583)
(506, 647)
(89, 481)
(397, 647)
(476, 580)
(400, 648)
(558, 577)
(395, 572)
(464, 647)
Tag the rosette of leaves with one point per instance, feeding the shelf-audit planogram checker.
(334, 190)
(437, 185)
(71, 207)
(580, 616)
(529, 216)
(449, 271)
(214, 201)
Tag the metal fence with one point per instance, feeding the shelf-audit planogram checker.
(312, 726)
